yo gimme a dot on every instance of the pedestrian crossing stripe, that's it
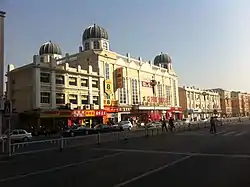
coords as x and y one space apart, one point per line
222 133
229 133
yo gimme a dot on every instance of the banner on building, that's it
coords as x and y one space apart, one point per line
119 77
108 87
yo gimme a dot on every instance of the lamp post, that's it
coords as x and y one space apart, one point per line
226 105
204 95
153 84
2 16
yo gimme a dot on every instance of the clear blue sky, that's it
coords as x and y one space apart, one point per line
209 40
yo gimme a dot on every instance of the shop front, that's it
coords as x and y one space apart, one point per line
112 113
146 114
125 113
175 112
88 118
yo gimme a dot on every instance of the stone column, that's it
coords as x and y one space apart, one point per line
53 89
90 79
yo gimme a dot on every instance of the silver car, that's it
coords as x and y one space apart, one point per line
18 135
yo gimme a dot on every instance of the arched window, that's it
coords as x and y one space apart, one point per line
135 98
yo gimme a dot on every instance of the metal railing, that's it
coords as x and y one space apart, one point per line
66 142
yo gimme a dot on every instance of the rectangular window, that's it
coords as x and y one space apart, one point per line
96 100
59 79
45 97
159 90
105 46
60 98
41 59
73 99
86 46
168 95
85 99
94 84
107 71
135 98
123 93
84 82
45 77
72 81
96 45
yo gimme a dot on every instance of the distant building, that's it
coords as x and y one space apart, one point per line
240 105
198 103
96 84
225 102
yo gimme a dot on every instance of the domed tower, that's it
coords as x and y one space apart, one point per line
49 50
163 60
95 37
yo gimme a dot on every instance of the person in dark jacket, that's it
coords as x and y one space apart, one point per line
171 124
212 127
164 125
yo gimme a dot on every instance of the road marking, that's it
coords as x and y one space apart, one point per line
222 132
153 171
177 153
241 133
59 167
229 133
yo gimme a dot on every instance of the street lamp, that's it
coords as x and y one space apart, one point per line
227 105
153 84
204 95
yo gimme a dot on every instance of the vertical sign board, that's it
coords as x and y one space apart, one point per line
119 77
108 87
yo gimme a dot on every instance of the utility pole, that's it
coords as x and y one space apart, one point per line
2 16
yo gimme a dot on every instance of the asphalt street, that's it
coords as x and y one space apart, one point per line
188 158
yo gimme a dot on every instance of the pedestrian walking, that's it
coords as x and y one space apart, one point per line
171 124
212 125
164 125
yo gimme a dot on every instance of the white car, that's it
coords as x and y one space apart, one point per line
125 125
18 135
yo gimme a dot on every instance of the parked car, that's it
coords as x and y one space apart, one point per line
156 124
78 130
103 128
124 124
18 135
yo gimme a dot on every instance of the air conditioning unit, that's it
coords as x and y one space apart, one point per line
87 107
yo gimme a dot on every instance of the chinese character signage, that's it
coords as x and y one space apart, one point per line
157 100
88 113
119 77
108 87
145 84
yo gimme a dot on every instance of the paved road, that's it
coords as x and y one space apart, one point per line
47 143
177 159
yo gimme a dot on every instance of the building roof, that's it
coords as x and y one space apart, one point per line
94 31
50 48
162 58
